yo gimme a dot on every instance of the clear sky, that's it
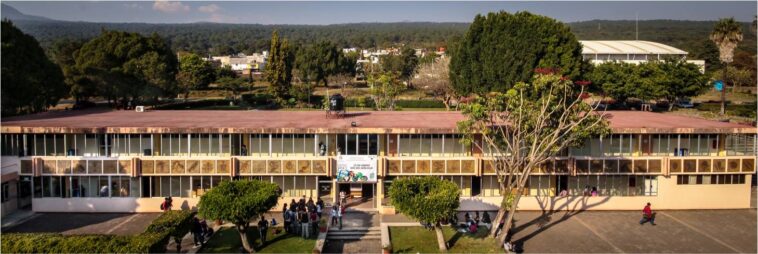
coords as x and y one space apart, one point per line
351 12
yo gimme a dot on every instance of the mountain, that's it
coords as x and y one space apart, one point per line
8 12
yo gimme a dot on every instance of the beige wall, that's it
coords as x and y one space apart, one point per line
670 196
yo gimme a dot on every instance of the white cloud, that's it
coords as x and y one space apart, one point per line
133 6
211 8
169 6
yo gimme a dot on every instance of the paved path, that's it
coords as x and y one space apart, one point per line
356 219
87 223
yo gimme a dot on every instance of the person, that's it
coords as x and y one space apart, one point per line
594 191
586 190
647 215
293 204
339 214
301 203
564 193
310 204
476 217
342 197
321 149
508 246
304 224
319 208
335 208
286 217
263 229
197 232
473 228
243 150
166 205
207 231
314 221
467 219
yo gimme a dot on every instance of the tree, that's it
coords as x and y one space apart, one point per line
502 49
726 34
402 65
319 61
225 71
30 81
63 53
127 65
233 85
737 77
194 73
427 199
434 80
524 128
239 202
676 79
279 68
384 88
613 79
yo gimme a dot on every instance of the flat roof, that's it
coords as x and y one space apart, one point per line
629 47
230 121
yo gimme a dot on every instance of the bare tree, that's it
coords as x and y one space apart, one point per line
524 128
433 79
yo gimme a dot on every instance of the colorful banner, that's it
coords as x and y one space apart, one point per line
356 168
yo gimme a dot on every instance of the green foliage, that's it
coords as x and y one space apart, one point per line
129 65
319 61
233 85
238 201
225 71
384 88
30 81
650 80
427 199
502 49
279 67
154 239
194 72
402 65
63 52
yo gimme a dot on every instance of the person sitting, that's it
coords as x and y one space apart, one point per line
473 228
594 191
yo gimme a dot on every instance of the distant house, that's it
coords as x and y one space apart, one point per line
635 52
243 64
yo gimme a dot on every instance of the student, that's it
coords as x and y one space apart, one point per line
314 221
319 208
339 214
508 246
564 193
594 192
286 217
243 150
197 232
342 197
262 229
647 215
476 217
335 211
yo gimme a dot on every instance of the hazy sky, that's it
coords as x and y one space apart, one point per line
351 12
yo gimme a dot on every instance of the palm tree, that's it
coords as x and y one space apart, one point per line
726 34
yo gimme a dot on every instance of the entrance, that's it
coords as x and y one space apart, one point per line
359 195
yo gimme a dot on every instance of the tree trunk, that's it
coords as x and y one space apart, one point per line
242 230
508 220
723 90
446 101
496 221
440 237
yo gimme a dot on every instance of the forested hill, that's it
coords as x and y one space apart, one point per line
228 38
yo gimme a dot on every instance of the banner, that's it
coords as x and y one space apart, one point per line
356 168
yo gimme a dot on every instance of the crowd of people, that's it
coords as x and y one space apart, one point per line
303 217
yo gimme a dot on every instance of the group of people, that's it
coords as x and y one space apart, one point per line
200 231
471 225
302 217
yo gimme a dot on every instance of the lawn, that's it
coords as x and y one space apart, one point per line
420 240
227 240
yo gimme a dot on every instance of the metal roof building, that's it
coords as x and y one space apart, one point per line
632 51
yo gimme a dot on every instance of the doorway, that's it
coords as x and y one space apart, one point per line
359 195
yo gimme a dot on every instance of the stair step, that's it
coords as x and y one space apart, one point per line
356 228
355 233
366 237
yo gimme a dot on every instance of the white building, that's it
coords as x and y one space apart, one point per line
633 52
244 63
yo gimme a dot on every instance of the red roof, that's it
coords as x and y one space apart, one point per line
181 121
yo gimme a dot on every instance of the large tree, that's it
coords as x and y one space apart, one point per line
63 52
239 202
677 79
129 65
525 128
30 81
434 80
726 34
318 61
502 49
194 73
402 65
279 67
427 199
384 88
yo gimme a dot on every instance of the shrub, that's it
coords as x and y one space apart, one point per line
154 239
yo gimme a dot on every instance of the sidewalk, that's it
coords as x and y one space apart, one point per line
17 217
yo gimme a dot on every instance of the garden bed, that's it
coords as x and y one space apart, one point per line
420 240
227 240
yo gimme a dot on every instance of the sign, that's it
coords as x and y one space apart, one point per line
718 85
356 168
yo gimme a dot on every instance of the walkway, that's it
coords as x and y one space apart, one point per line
359 222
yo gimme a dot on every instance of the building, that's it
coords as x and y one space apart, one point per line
243 64
633 52
124 161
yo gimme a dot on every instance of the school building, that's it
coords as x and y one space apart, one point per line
125 161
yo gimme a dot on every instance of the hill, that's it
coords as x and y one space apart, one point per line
8 12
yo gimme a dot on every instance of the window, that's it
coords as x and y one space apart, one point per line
710 179
6 192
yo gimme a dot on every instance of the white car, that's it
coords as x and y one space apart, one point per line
685 103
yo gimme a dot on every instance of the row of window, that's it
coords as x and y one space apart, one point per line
666 145
710 179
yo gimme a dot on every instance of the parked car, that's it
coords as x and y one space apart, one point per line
684 103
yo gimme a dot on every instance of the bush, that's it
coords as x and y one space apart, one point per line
369 103
154 239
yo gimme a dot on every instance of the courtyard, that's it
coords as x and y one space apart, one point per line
86 223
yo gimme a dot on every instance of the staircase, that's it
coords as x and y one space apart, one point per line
354 233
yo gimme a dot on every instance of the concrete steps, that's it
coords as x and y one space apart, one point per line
354 233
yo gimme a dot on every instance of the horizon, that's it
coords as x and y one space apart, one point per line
313 13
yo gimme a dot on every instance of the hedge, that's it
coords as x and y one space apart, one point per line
369 103
153 239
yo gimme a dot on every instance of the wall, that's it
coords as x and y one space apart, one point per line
670 196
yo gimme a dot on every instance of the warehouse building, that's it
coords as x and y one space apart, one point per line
634 51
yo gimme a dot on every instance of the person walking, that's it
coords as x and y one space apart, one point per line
263 229
342 197
647 215
340 213
335 211
197 232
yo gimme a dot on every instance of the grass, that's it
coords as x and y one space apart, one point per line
735 97
420 240
227 240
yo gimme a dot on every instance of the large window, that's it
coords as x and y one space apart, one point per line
710 179
358 144
740 144
431 145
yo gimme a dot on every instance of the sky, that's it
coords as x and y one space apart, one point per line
322 13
